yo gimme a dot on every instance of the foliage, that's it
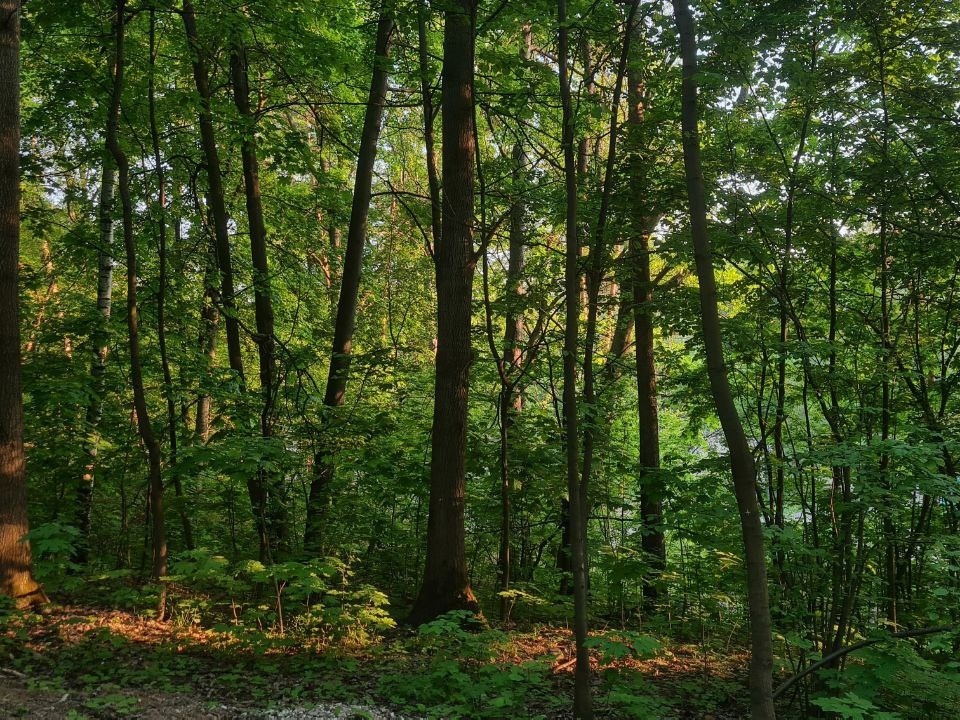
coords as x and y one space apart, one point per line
895 679
831 151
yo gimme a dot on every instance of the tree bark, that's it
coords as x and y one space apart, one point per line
346 320
582 700
163 282
267 488
100 339
144 426
651 482
741 459
445 583
218 209
16 575
511 401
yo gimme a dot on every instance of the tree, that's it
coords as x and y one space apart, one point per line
144 424
582 700
270 492
346 320
741 458
16 576
445 584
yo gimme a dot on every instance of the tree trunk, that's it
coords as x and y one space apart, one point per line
16 576
741 459
652 487
582 700
445 584
207 345
267 487
100 339
144 426
339 369
163 282
651 482
218 209
511 401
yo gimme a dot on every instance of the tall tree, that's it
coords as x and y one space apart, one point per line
741 458
445 584
144 424
101 347
16 576
641 224
576 522
216 194
269 486
339 369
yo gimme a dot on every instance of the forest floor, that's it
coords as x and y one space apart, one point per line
80 662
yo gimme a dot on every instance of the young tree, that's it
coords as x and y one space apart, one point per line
445 583
269 485
582 700
741 458
337 376
144 424
16 576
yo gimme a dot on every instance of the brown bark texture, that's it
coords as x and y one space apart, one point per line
144 425
582 700
741 459
16 576
346 319
445 584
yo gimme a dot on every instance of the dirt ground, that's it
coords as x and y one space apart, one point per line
18 700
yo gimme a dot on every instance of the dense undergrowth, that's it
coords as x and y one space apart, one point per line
296 633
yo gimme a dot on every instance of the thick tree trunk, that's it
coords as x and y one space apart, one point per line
445 584
346 320
144 426
16 576
582 700
741 459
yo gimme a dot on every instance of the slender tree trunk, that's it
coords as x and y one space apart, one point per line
207 345
267 486
884 261
582 700
346 320
144 426
163 282
652 487
16 576
426 92
100 339
218 209
741 459
511 401
446 585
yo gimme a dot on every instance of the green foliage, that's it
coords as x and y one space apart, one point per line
618 645
895 679
854 707
311 599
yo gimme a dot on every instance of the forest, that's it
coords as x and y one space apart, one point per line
480 358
